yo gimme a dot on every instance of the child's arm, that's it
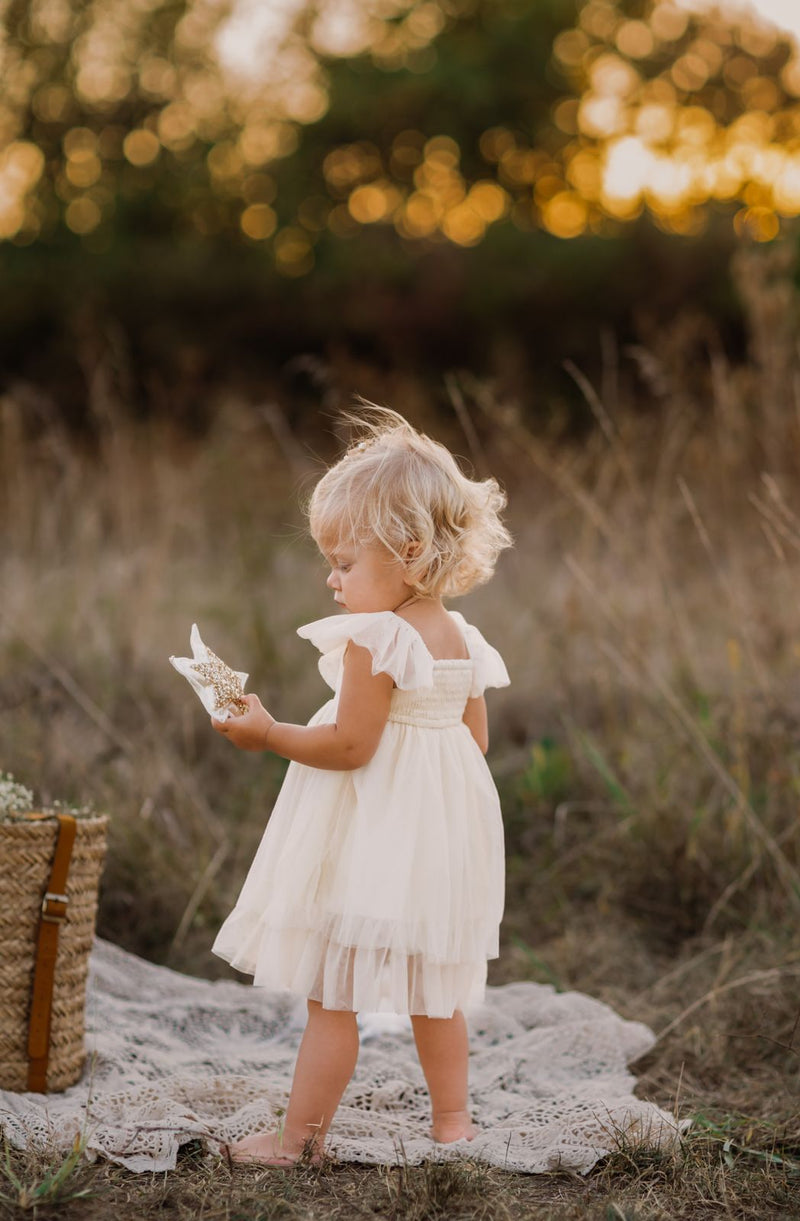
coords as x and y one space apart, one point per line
347 744
477 722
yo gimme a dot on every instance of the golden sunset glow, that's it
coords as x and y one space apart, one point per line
657 142
688 106
636 140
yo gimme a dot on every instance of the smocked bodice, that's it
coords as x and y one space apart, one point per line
439 706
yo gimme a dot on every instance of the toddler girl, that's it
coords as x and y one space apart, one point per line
379 881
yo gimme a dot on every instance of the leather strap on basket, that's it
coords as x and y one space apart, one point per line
54 913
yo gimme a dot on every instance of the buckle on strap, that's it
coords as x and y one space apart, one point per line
59 914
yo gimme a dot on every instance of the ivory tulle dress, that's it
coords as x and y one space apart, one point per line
382 888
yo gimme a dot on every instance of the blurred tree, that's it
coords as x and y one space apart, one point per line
397 177
439 118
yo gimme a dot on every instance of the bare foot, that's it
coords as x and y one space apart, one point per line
268 1149
452 1125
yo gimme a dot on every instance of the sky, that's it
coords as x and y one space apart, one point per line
257 27
783 13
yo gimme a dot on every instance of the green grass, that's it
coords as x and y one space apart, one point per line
31 1185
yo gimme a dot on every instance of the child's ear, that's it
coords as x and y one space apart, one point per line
411 552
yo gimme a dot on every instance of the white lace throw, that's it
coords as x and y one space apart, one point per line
174 1059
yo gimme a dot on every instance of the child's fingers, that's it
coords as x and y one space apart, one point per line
252 702
240 728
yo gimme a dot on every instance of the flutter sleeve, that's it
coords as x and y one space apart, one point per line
489 669
396 647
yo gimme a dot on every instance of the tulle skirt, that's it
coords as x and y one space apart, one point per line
380 888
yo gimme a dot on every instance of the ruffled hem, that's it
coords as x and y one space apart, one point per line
470 941
359 978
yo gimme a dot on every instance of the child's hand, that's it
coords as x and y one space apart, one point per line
248 731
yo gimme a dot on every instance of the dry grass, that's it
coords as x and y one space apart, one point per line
710 1177
647 752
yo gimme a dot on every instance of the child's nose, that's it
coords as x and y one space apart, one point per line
332 581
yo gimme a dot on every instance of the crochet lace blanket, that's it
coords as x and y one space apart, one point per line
174 1059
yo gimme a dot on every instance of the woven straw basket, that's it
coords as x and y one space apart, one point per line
27 849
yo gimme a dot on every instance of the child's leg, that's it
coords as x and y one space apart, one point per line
443 1053
325 1063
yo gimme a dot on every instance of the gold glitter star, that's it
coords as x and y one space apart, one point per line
228 690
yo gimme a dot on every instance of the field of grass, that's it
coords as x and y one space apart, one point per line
647 752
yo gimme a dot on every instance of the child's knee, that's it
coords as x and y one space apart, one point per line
317 1011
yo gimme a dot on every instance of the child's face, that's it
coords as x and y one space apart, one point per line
367 578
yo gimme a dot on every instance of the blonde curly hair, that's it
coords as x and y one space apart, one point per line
397 487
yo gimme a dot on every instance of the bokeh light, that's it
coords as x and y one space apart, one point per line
83 215
141 147
671 108
258 221
294 255
21 166
689 105
683 106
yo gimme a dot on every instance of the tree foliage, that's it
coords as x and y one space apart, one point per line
434 174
